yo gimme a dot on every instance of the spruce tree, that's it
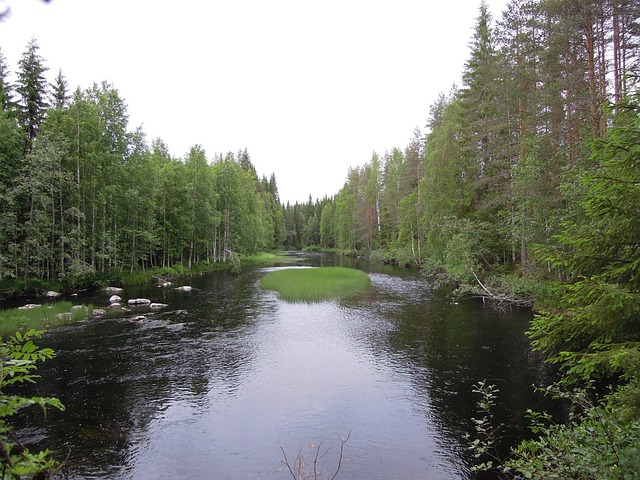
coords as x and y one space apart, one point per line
6 89
60 92
32 90
593 330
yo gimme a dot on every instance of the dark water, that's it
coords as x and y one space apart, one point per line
218 384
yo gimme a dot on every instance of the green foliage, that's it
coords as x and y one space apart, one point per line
593 330
32 90
83 196
42 316
484 444
262 258
397 256
315 284
19 357
598 441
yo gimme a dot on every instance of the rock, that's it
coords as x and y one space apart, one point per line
139 318
164 284
29 306
114 299
52 294
158 305
139 301
99 312
184 288
78 307
115 305
114 289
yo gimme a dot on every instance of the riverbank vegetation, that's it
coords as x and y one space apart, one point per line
524 184
312 284
40 317
19 358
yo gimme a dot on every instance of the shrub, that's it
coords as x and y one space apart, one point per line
600 440
19 357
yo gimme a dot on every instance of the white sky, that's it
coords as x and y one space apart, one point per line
310 88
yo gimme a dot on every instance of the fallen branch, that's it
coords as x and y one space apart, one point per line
483 287
501 301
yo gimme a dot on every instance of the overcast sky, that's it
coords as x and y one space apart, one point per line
310 88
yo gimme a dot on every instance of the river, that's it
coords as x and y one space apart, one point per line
228 380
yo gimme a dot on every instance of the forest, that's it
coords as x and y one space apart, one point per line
523 184
83 196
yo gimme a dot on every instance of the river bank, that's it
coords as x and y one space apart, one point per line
15 290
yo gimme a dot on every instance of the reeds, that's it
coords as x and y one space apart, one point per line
313 284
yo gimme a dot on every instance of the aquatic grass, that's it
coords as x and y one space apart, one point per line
263 257
41 317
313 284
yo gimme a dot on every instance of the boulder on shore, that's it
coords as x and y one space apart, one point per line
52 294
184 288
139 301
114 299
158 305
114 289
99 312
29 306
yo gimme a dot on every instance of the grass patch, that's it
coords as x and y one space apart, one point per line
263 257
41 317
312 284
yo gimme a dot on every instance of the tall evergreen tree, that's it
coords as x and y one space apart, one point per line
480 77
32 90
60 92
6 89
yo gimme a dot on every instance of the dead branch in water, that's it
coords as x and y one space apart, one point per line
501 301
297 470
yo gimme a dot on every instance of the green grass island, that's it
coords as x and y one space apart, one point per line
315 284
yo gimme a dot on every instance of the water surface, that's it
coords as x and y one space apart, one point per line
228 377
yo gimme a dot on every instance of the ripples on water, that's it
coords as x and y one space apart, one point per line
215 386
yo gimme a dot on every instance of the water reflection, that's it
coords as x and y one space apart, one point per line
215 386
